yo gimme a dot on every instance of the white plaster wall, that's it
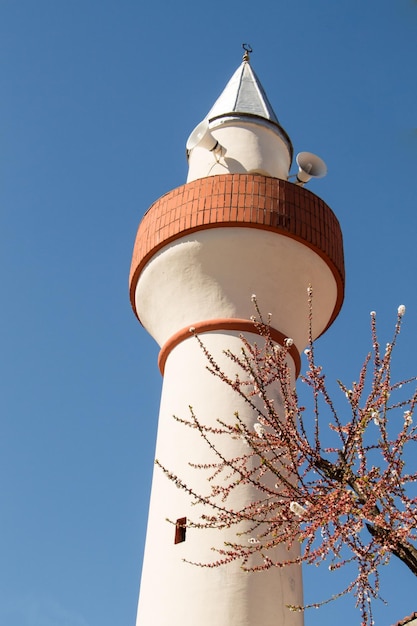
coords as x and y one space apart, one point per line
203 276
249 147
174 593
212 273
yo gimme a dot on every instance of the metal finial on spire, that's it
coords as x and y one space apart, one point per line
247 48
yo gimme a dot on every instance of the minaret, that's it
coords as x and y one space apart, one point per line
237 227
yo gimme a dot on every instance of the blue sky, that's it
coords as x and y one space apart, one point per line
97 101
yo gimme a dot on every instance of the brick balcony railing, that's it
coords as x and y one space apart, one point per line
241 200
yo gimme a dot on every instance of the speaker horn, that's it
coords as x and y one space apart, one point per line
309 166
202 137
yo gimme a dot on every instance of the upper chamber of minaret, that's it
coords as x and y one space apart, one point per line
249 135
236 228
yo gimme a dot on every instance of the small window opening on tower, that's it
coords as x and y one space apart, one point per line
180 529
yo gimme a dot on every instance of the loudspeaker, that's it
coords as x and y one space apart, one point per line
309 166
202 137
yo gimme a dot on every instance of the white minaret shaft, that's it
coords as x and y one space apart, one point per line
237 227
175 592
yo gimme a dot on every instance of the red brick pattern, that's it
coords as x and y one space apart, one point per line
244 200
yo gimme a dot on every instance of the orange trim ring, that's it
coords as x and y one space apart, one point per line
241 325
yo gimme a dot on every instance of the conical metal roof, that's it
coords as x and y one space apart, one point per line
243 94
